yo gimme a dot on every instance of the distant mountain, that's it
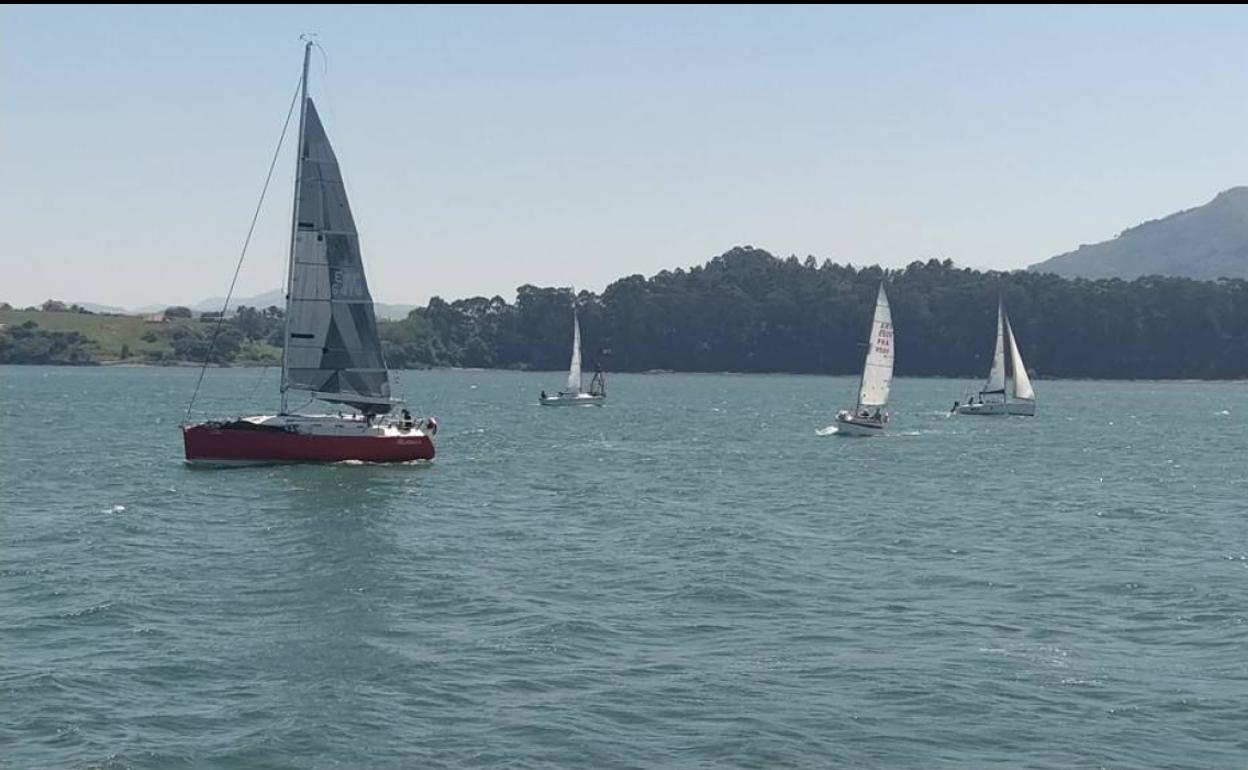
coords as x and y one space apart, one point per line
213 304
97 308
147 309
271 297
277 297
1206 242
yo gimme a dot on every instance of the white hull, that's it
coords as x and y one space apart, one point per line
1000 409
849 425
573 399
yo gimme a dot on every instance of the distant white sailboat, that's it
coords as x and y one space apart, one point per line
575 395
1024 396
868 417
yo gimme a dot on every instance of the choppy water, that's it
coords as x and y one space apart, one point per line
689 577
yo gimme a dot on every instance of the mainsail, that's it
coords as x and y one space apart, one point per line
332 346
574 370
996 377
877 372
1022 383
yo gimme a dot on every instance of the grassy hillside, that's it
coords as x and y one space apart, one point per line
131 338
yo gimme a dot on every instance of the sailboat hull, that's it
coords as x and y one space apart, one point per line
279 439
577 399
848 424
999 409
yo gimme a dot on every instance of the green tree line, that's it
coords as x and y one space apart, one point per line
748 311
28 344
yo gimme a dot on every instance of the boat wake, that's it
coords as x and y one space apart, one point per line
382 464
832 430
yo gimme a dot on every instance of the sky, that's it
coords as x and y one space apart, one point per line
487 147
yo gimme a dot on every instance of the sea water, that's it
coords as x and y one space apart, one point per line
690 576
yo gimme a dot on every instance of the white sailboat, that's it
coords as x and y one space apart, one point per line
868 417
1024 396
576 395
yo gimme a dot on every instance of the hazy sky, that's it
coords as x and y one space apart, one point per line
484 148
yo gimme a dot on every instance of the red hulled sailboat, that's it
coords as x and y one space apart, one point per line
332 352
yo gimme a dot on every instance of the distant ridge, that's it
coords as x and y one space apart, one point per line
95 308
1206 242
271 297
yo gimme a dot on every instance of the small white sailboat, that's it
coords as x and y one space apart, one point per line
1024 396
576 395
868 417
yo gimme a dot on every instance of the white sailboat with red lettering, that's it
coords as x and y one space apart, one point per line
332 351
868 417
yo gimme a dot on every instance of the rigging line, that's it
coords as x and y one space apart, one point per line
328 102
398 385
246 242
307 37
324 59
324 70
263 371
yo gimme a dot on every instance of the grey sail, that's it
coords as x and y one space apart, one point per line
332 347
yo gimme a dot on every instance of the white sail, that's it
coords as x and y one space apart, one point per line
574 370
877 372
996 377
1022 383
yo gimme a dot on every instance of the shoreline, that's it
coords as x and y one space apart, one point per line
648 373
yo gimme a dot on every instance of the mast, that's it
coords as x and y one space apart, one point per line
1005 385
862 378
294 212
575 381
992 386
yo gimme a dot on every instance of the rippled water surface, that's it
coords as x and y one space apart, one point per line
688 577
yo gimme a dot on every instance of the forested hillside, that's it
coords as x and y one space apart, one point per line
748 311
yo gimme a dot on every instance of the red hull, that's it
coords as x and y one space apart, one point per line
209 444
